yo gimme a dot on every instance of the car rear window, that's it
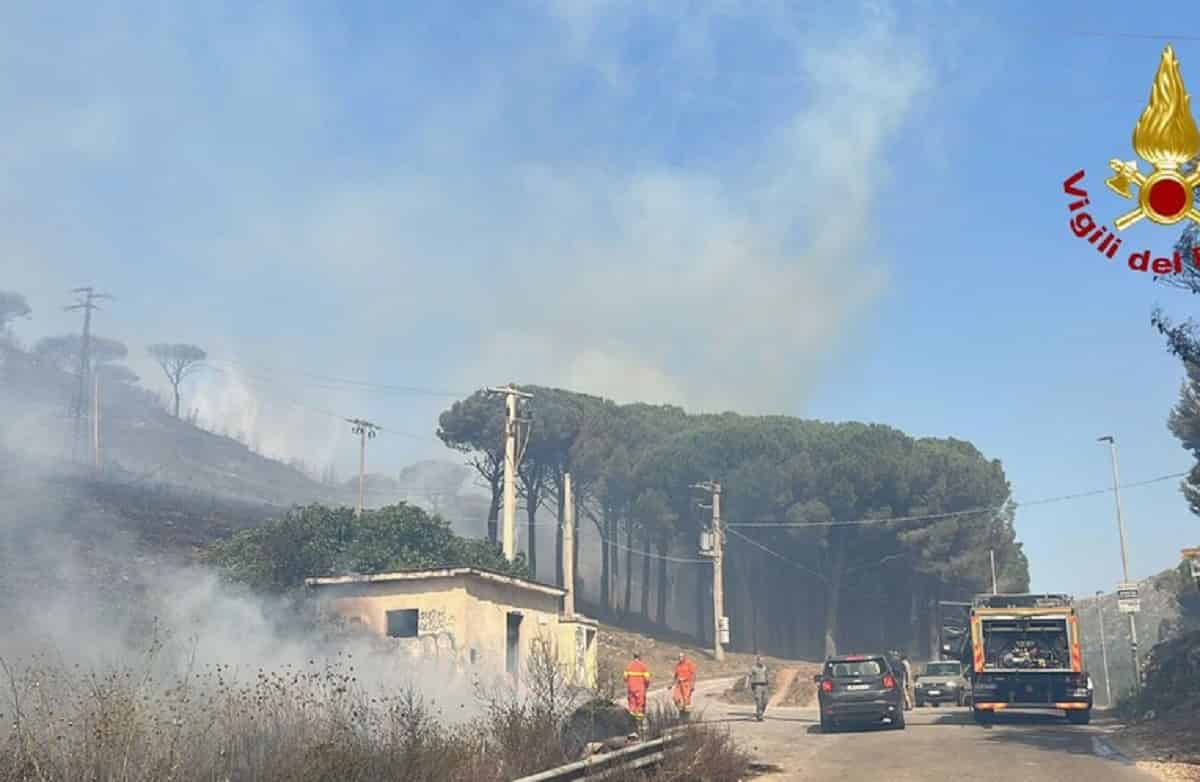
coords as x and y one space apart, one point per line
942 669
845 669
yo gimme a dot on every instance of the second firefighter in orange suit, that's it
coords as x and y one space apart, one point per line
685 683
637 681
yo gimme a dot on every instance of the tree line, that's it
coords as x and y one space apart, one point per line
815 580
177 360
1183 420
836 566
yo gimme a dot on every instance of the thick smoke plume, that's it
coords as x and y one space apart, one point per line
81 588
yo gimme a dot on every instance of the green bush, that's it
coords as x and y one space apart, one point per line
319 541
1170 679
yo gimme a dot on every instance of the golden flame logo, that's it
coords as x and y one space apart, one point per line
1166 137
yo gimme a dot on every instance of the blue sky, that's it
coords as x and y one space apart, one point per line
853 212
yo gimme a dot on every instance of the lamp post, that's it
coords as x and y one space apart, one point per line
1133 642
1103 650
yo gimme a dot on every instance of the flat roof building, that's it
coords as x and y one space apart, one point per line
475 619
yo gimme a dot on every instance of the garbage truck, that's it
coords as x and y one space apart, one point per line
1021 652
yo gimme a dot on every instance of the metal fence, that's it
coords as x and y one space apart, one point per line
643 755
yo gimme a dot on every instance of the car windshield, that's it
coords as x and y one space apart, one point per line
942 669
845 669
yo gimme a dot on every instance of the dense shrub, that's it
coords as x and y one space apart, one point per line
317 541
1170 679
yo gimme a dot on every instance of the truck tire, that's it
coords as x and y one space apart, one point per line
983 716
898 721
826 724
1079 716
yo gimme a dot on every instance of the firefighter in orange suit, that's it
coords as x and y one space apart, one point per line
637 681
685 683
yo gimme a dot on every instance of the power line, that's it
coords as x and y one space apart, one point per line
652 555
253 380
949 514
346 384
776 554
785 525
1140 36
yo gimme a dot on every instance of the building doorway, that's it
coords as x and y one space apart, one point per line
512 646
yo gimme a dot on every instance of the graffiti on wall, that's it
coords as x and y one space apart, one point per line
432 621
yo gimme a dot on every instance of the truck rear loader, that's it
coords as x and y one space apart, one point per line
1022 652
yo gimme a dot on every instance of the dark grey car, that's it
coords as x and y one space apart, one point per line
859 689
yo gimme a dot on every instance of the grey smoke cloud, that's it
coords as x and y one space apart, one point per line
80 590
453 245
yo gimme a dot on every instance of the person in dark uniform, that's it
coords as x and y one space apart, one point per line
758 686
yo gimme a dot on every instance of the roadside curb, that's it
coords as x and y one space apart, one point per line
1104 748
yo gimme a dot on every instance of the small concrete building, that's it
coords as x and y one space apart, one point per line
475 619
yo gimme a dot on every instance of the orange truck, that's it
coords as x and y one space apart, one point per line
1023 652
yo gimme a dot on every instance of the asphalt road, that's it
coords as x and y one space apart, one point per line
938 744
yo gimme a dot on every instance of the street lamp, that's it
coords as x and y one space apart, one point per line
1133 643
1103 649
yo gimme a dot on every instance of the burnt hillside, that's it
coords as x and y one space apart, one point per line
138 436
102 536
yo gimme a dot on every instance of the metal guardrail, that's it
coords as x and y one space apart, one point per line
643 755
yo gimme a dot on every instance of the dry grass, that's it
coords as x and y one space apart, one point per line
703 753
62 723
147 719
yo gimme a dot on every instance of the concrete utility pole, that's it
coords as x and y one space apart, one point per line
365 430
508 538
1103 650
87 298
1133 640
568 547
96 421
992 554
718 589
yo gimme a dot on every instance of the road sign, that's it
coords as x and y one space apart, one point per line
1127 599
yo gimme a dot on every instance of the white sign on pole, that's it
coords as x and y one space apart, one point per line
1127 599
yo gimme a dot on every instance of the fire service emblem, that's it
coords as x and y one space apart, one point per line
1167 138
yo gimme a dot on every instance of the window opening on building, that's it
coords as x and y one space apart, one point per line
403 623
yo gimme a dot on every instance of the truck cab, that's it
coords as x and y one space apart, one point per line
1023 652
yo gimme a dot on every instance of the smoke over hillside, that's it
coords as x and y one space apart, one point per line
99 566
84 584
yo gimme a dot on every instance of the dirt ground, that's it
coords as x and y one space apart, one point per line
790 684
616 649
1168 747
